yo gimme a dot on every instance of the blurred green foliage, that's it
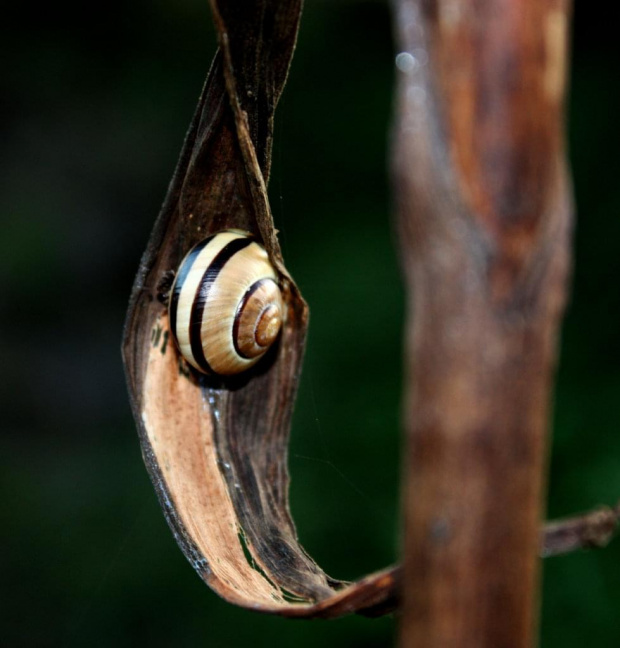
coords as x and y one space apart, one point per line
94 116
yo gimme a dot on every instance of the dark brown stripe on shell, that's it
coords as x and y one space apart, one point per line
248 293
180 280
202 294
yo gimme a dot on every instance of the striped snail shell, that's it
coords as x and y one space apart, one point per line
225 304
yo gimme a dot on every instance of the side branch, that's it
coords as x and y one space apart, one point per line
591 530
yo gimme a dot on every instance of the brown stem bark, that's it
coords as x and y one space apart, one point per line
484 206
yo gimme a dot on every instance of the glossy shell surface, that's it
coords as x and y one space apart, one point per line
225 305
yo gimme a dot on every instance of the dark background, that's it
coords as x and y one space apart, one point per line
96 102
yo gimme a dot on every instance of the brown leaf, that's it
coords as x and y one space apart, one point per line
217 450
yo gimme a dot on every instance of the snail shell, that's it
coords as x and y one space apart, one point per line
225 305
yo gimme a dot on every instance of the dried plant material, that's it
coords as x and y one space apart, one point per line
216 449
485 217
592 530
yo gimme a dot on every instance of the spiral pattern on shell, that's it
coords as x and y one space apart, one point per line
225 305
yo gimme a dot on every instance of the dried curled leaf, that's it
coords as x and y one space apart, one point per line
217 450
